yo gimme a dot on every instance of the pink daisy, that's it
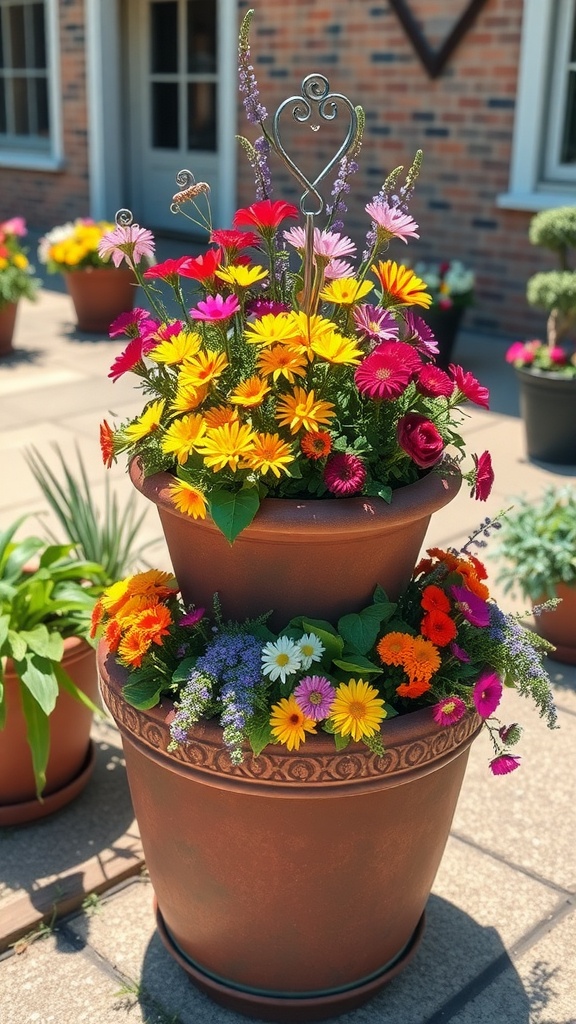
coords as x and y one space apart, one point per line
486 694
337 269
215 307
375 324
419 334
387 371
391 222
472 607
344 474
168 330
521 352
449 710
504 764
315 696
133 323
469 386
127 242
328 244
433 382
484 476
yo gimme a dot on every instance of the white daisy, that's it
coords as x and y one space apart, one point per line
281 659
311 649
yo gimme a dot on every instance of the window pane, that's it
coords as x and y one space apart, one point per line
21 120
201 36
165 115
2 108
17 37
40 88
1 41
39 37
164 37
202 115
568 155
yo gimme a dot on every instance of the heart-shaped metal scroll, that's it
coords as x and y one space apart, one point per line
315 89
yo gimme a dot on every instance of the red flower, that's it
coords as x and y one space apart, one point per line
469 386
438 627
484 477
133 353
265 215
233 241
344 474
432 382
107 444
200 268
434 599
387 371
166 271
420 439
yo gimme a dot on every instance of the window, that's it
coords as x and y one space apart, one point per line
543 167
28 128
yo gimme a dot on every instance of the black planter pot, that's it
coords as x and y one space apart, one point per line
444 324
548 408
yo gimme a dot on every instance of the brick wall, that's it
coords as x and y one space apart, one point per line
462 120
49 198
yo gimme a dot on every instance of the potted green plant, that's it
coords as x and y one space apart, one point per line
99 291
451 285
17 279
546 370
48 688
537 552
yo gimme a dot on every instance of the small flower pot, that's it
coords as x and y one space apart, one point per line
558 625
444 324
548 409
7 324
100 294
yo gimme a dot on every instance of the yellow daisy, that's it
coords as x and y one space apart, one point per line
357 709
220 414
181 437
203 368
241 276
270 329
269 453
307 329
345 291
303 411
146 424
188 499
116 595
401 285
226 445
334 348
250 392
281 361
188 397
176 349
153 581
289 723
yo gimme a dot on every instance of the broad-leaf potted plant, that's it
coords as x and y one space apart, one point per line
451 285
17 279
48 686
99 290
546 370
299 697
537 554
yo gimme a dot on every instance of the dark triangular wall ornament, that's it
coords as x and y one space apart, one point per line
434 61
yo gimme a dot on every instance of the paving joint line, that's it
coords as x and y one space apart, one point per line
547 882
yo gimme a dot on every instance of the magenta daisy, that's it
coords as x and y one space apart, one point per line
484 476
472 607
504 764
434 383
169 270
384 373
344 474
135 323
459 652
469 386
486 694
449 710
259 307
215 307
375 324
419 334
233 241
315 696
391 222
192 617
131 243
130 357
169 330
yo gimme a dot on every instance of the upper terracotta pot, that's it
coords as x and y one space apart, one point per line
100 294
321 558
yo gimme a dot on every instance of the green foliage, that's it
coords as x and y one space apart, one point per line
537 544
39 607
17 279
553 290
554 229
109 539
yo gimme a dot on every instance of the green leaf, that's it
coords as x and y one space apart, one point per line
181 673
4 626
38 736
360 629
341 742
16 646
259 734
68 684
39 678
333 644
40 641
357 663
232 513
144 693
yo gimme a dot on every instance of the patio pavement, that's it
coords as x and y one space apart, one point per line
77 934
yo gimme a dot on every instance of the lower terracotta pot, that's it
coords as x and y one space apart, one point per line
7 325
71 755
100 294
558 626
291 887
320 558
548 409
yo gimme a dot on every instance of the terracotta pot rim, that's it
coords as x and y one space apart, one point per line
301 515
533 373
414 746
98 270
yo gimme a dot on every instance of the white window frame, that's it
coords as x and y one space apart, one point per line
52 158
554 169
534 185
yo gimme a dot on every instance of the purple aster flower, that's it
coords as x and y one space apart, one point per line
375 324
449 710
192 617
487 693
315 695
504 764
259 307
472 607
458 652
418 333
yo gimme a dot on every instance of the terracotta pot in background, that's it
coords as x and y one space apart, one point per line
548 409
7 325
321 558
293 886
100 294
444 324
558 626
71 758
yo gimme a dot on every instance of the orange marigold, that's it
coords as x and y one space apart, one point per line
133 646
415 688
446 557
438 627
154 623
393 648
316 444
422 659
107 444
113 635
